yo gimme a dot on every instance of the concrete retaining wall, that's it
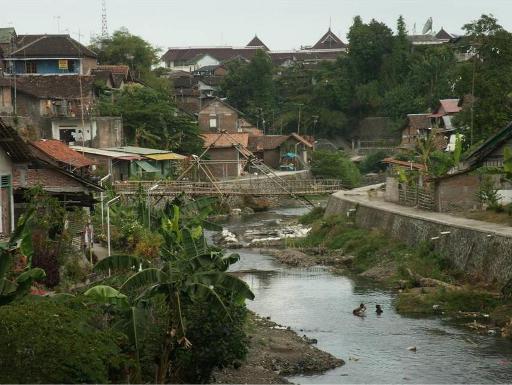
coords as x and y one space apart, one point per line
479 253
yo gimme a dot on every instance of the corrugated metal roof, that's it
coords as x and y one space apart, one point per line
170 156
146 166
138 150
107 153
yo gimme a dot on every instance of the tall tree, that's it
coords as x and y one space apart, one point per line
486 77
151 119
250 86
124 48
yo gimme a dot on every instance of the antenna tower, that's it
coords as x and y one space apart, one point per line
104 24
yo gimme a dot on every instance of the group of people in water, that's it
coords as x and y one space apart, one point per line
360 311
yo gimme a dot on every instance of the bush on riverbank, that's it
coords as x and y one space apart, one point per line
314 215
439 299
371 248
43 341
328 164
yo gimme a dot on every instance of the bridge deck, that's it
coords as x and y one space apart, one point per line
256 187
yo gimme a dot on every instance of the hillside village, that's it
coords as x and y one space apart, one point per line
130 174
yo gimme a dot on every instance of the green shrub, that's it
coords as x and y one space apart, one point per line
42 341
336 165
312 216
218 339
373 162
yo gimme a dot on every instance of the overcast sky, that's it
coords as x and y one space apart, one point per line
281 24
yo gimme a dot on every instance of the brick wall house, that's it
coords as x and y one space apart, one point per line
217 116
456 192
223 158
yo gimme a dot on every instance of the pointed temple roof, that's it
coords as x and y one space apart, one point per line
256 42
442 34
329 41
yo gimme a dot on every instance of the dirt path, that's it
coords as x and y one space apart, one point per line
276 352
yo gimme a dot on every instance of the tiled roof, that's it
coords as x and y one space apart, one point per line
219 53
54 46
115 69
419 121
13 145
329 41
219 140
60 152
256 42
54 86
103 75
451 106
266 142
443 35
301 139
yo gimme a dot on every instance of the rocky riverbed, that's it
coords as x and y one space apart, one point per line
275 352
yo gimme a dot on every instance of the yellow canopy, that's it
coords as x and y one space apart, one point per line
168 156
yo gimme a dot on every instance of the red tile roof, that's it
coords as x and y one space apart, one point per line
226 140
115 69
271 142
62 153
447 106
450 105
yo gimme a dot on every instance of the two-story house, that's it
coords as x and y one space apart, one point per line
48 55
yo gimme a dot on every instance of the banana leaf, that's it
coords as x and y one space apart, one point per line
120 262
144 278
107 295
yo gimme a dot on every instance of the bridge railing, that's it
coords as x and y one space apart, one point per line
232 187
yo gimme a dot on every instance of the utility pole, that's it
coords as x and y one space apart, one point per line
298 123
104 24
315 121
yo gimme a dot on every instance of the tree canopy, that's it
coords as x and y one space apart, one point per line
124 48
151 119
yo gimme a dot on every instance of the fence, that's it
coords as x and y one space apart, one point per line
416 196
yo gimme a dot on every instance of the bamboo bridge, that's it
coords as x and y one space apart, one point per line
253 187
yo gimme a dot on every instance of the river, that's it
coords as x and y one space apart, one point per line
319 304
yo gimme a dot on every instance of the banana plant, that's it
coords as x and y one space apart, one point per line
20 242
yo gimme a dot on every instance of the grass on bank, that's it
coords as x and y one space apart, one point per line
372 248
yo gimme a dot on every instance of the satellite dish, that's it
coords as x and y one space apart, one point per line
428 26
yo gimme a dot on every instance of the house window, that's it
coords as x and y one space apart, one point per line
30 67
5 203
213 122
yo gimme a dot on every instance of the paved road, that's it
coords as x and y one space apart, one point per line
362 197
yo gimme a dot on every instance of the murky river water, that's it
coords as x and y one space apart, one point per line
319 304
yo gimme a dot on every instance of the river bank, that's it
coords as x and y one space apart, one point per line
317 302
276 351
426 283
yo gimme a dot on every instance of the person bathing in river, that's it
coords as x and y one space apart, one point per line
359 311
378 309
